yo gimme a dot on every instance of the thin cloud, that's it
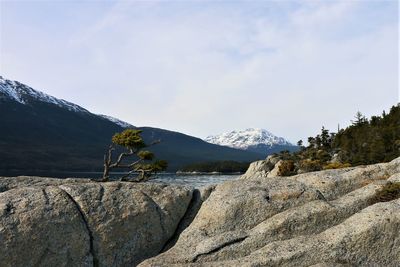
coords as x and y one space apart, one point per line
204 68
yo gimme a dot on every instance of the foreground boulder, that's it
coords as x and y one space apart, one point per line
75 222
326 218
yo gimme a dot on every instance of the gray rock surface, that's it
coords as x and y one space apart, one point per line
395 178
52 222
326 218
7 183
261 168
42 227
275 171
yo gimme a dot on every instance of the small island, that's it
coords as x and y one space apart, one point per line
215 167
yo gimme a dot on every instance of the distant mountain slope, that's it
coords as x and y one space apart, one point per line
252 139
41 132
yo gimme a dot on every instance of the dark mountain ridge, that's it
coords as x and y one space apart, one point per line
41 132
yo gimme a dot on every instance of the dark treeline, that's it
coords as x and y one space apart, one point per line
217 166
366 141
371 140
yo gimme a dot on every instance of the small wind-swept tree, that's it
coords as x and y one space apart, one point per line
141 163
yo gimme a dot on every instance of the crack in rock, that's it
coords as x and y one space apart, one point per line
223 245
158 210
86 223
101 193
46 197
187 218
196 202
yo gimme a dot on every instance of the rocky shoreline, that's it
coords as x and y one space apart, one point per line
325 218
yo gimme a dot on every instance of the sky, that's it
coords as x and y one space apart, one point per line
207 67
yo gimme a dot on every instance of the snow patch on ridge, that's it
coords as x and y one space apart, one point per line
116 121
23 94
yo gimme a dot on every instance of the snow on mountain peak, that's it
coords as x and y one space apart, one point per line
244 139
117 121
23 94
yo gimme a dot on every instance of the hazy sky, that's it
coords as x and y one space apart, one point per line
205 67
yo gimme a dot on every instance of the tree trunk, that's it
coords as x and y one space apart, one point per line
106 173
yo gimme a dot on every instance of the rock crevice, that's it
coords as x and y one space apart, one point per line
221 246
87 226
198 197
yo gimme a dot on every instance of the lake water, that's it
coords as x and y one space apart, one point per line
196 181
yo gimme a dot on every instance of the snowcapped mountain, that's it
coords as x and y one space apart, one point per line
25 95
254 139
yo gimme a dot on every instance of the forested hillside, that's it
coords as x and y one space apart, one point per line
371 140
365 141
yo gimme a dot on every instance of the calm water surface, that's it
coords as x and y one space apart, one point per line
196 181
